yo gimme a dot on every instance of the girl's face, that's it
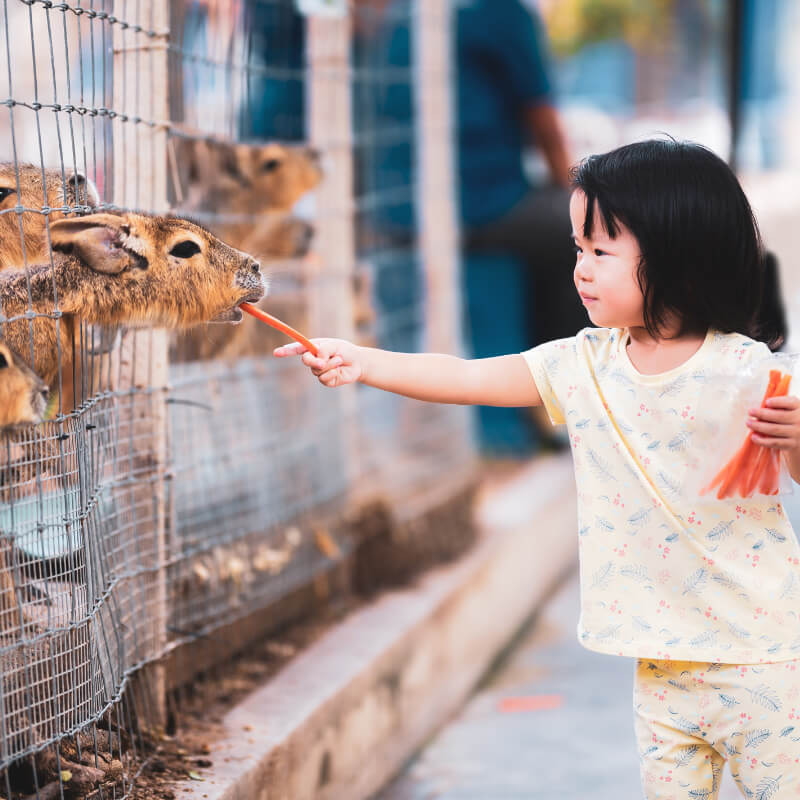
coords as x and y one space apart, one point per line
606 270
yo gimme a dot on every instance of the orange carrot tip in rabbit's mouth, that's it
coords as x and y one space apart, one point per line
278 325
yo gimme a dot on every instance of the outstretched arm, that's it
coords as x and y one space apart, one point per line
436 378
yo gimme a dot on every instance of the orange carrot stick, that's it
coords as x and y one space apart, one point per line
724 472
734 473
753 474
756 474
745 469
770 473
783 386
770 480
733 466
766 471
281 326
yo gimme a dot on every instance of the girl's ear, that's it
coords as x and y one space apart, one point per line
97 240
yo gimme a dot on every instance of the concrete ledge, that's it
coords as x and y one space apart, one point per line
344 716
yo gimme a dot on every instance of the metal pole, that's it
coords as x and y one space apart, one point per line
140 182
735 67
436 201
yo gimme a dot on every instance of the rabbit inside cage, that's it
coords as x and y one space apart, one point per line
164 162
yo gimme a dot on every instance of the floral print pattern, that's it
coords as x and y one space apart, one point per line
668 573
691 717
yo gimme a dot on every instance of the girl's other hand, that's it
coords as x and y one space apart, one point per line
337 364
778 424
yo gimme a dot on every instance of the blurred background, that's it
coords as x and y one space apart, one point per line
401 170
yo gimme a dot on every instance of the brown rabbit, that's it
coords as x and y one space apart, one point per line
277 238
235 178
23 394
250 187
108 269
127 269
23 400
58 190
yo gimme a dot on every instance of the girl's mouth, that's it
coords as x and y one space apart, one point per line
586 299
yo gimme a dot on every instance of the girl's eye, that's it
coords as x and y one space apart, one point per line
599 252
576 249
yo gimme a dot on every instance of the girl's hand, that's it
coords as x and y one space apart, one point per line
777 425
338 363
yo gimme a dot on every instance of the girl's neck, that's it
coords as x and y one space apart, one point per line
651 356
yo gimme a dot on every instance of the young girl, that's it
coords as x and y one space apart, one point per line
703 592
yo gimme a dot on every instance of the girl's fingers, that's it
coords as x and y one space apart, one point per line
315 362
331 377
774 444
787 402
321 364
774 429
325 366
294 349
785 416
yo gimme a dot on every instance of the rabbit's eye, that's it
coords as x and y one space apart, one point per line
5 191
270 165
185 249
3 361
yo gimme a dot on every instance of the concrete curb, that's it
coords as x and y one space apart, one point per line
345 715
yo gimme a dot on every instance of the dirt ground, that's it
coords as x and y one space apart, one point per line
101 761
198 710
388 555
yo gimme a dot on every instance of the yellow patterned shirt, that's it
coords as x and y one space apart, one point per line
667 572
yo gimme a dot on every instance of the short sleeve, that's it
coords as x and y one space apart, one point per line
516 37
530 71
547 363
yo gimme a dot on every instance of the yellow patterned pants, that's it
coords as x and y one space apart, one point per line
693 716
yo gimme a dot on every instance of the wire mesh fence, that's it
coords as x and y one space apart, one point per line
182 480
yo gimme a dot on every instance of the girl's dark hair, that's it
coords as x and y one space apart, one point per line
702 258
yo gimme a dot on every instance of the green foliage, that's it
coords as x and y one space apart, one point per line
572 24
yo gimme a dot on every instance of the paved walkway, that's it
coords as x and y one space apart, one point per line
584 748
577 742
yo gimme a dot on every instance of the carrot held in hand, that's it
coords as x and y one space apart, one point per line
281 326
729 474
753 466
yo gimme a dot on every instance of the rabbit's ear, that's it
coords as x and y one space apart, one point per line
230 161
80 190
97 240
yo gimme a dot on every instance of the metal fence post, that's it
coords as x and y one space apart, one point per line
436 198
330 130
330 290
139 181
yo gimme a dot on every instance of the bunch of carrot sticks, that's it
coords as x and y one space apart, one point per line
753 468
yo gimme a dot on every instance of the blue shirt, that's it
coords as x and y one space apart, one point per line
384 119
502 71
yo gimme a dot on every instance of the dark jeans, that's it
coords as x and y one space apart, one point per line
537 232
495 312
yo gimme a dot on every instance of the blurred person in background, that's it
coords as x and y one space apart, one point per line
275 98
517 252
385 163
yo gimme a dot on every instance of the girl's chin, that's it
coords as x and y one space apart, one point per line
597 317
606 320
